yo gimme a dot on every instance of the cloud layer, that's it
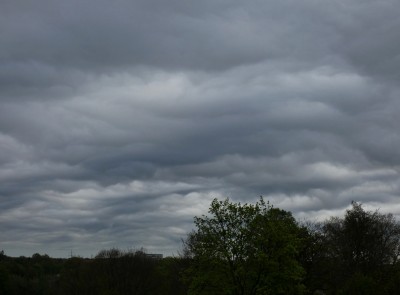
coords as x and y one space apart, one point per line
120 121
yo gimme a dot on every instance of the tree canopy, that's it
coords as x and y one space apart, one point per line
245 249
361 246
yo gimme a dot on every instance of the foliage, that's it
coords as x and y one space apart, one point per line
245 249
111 272
169 273
236 249
360 249
36 275
363 241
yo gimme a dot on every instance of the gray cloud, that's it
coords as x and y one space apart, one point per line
121 121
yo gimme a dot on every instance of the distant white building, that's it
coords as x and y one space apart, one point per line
155 256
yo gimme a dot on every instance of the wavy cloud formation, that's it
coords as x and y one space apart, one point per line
120 121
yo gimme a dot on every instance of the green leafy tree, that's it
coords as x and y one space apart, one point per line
245 249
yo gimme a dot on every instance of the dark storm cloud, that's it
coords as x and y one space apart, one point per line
120 121
45 46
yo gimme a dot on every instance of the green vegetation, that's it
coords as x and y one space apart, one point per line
237 249
245 249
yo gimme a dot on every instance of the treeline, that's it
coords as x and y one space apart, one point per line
110 272
237 249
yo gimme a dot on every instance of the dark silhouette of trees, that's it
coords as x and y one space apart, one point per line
363 247
111 272
22 275
313 257
170 276
4 274
354 254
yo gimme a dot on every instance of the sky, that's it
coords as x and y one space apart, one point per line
122 120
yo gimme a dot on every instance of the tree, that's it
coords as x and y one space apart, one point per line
169 272
361 247
245 249
126 272
313 256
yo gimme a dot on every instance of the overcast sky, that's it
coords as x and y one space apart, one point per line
121 120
